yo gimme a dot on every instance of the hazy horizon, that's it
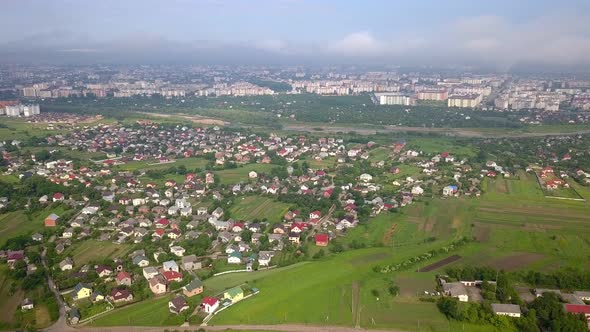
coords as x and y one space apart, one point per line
499 35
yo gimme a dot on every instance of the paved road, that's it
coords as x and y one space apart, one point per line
283 328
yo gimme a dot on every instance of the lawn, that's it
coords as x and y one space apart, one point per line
96 250
258 207
217 284
440 144
152 312
319 292
240 174
189 163
322 164
9 178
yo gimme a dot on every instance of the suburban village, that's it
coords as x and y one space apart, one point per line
169 202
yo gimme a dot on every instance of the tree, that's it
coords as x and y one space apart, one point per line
449 307
393 290
246 235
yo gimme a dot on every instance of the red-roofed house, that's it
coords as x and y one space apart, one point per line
315 214
579 309
210 304
172 276
162 223
321 240
58 197
328 193
124 278
159 232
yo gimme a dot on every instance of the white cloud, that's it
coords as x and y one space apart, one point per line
357 44
273 45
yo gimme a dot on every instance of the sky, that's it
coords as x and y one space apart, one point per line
499 33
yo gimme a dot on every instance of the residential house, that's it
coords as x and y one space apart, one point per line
217 213
234 258
150 272
158 284
170 266
172 276
96 296
81 291
120 295
193 288
264 257
141 261
74 315
26 304
66 264
124 278
321 240
177 305
190 263
177 250
68 233
450 190
210 304
51 220
104 271
234 294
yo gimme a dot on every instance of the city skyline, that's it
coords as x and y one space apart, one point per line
501 35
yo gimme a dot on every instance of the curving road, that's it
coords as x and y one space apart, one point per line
61 324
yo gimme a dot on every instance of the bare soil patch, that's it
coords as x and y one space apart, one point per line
481 233
501 186
356 289
389 234
515 261
440 263
429 225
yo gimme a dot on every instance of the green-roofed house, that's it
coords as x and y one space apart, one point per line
193 288
234 294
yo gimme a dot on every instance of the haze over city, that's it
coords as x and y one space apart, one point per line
497 34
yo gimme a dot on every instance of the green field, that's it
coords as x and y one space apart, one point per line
258 207
323 293
152 312
189 163
439 144
240 174
17 223
218 284
96 250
